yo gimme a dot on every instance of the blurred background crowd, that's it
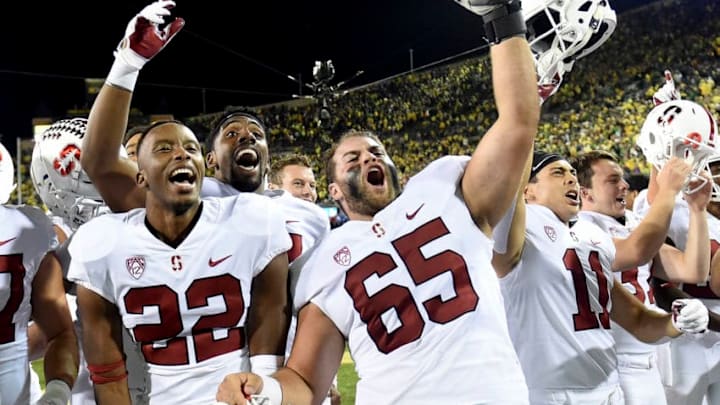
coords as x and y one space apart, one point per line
444 109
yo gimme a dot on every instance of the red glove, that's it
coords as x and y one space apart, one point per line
143 40
667 92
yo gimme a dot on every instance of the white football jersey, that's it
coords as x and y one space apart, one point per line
185 306
26 234
635 280
416 297
558 305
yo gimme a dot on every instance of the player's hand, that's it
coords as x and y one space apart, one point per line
689 315
700 190
143 37
667 92
674 175
57 392
238 388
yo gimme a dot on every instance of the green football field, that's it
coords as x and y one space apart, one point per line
346 378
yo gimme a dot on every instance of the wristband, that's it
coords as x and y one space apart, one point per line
122 75
265 364
504 22
57 392
271 389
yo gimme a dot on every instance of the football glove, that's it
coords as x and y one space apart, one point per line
57 392
689 315
502 18
667 92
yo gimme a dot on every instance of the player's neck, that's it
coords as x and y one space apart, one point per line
170 227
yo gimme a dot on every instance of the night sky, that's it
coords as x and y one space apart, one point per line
240 52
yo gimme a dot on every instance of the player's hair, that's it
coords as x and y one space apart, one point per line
583 165
226 116
328 158
149 128
275 175
637 182
138 129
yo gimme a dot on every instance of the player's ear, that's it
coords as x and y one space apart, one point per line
140 179
334 192
211 160
529 192
585 194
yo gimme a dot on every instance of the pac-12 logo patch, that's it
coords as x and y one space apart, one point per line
551 233
135 266
342 256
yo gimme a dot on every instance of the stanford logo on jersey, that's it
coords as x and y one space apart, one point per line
342 256
65 163
551 233
135 266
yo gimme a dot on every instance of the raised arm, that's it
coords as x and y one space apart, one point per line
645 241
509 234
113 175
693 264
52 316
494 173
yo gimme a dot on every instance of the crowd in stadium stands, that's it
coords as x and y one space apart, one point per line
601 105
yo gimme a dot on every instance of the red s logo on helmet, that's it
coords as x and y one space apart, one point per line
65 163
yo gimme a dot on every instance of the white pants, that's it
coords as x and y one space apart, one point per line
610 395
640 379
696 370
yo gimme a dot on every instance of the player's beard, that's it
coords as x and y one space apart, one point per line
361 200
246 183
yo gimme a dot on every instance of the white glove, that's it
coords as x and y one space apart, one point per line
667 92
57 392
142 41
689 315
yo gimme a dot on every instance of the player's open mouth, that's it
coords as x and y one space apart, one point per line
247 159
572 197
184 178
621 201
375 176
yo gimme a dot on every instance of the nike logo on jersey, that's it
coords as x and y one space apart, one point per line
5 242
594 243
291 222
213 263
411 216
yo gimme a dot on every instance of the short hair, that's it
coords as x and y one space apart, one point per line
138 129
583 165
222 119
149 128
275 175
328 158
638 181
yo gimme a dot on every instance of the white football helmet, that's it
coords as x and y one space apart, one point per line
7 175
59 179
713 168
683 129
562 31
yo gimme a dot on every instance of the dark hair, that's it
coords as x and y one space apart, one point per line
138 129
583 165
149 128
328 158
637 182
275 175
222 119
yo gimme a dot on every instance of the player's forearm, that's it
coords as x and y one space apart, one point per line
105 130
650 234
115 393
267 332
61 358
295 389
696 258
653 326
